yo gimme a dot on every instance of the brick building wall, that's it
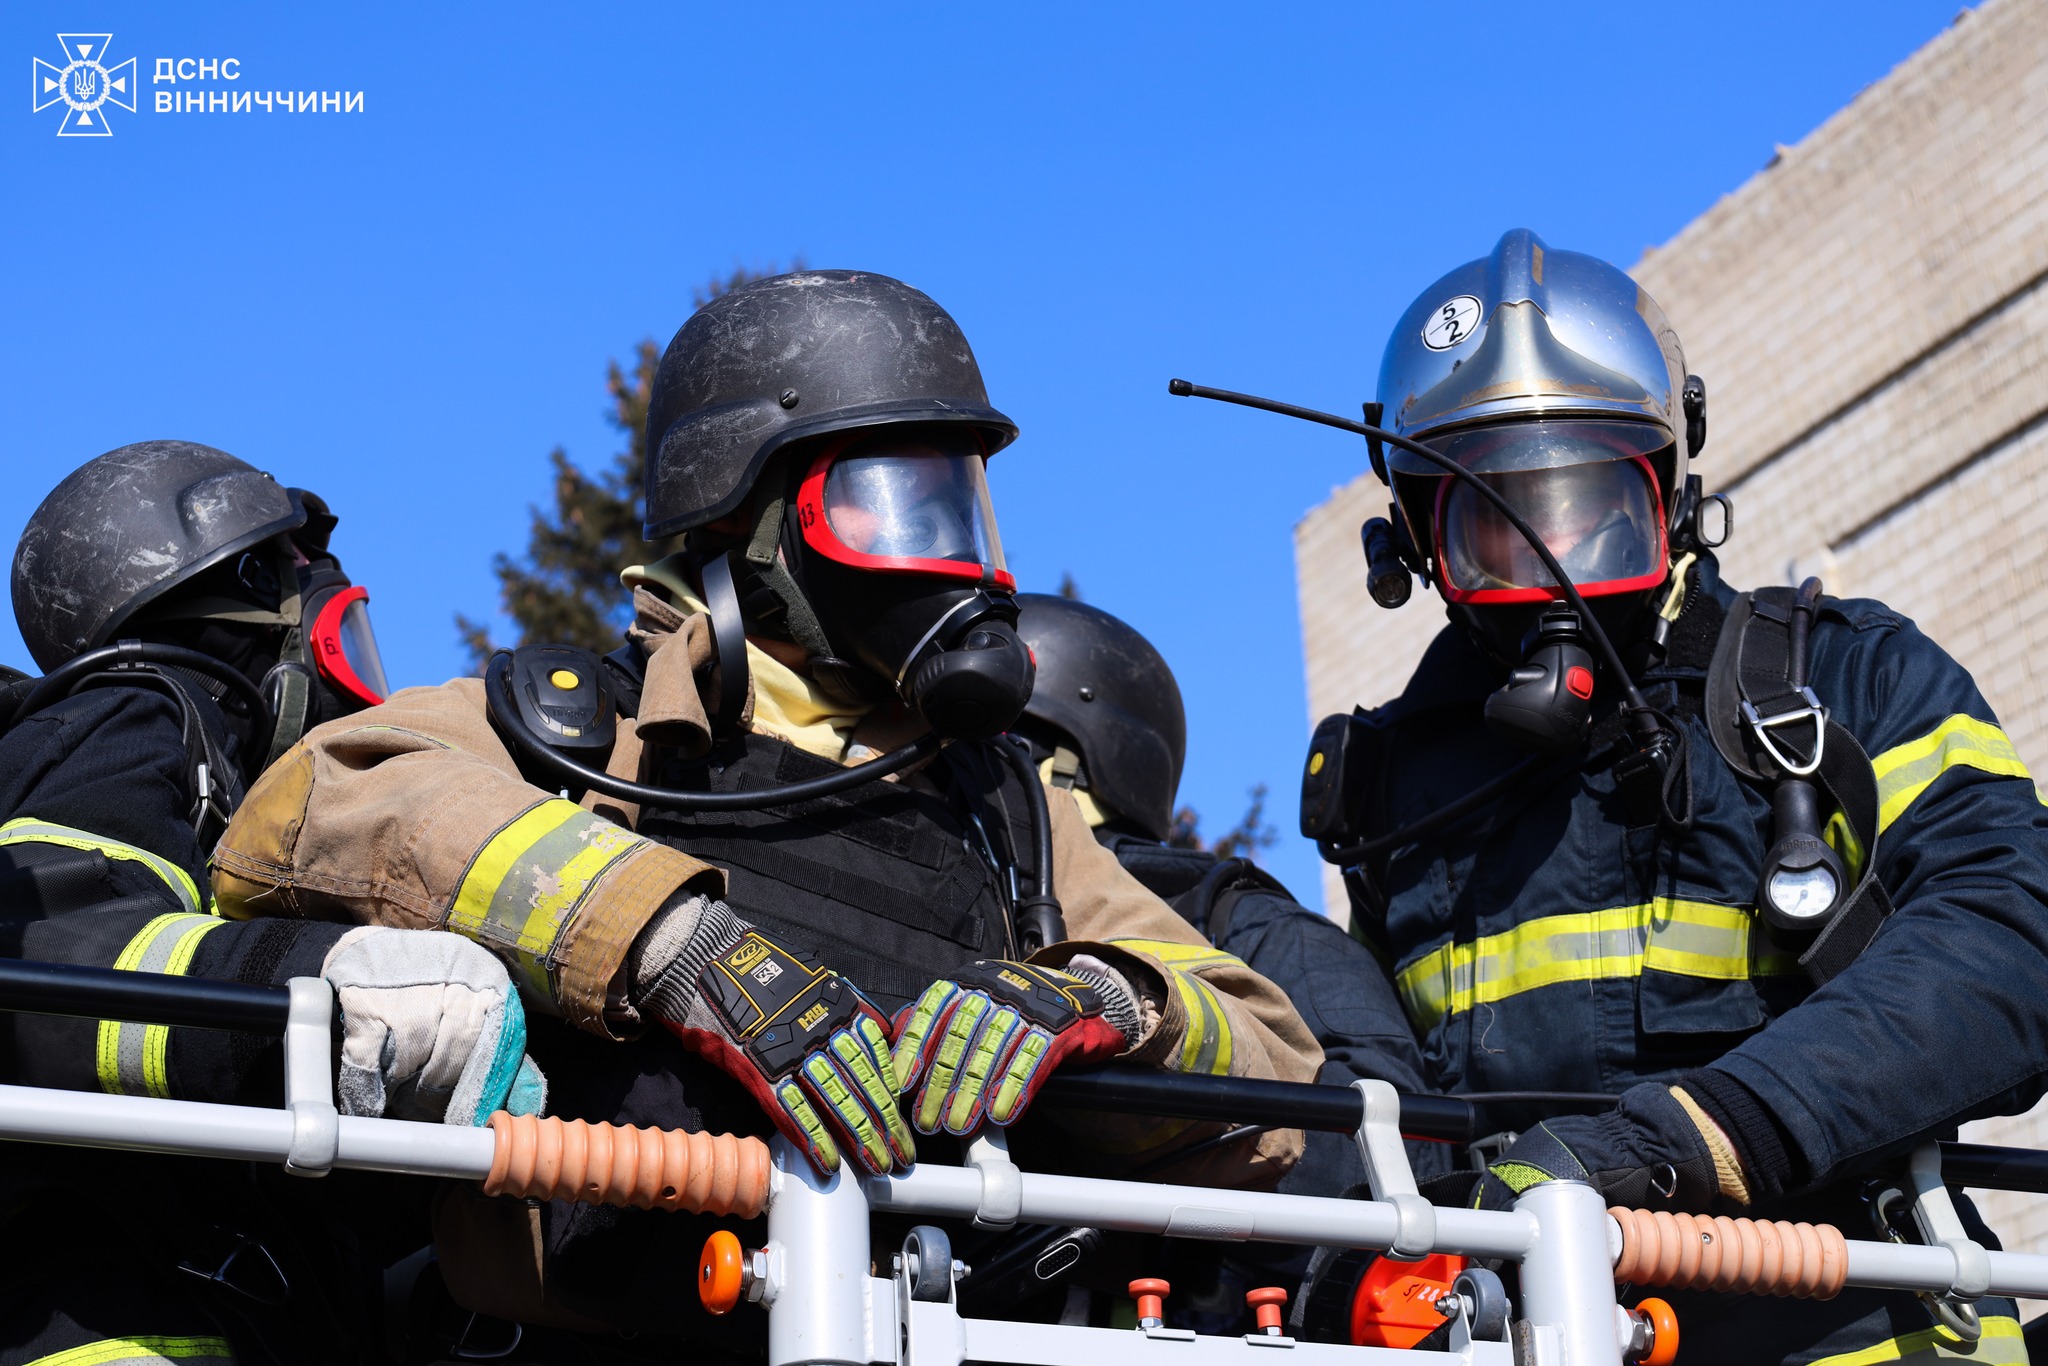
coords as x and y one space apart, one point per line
1870 314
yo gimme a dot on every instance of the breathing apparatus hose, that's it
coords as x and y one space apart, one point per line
1448 814
505 711
63 680
1040 921
1644 719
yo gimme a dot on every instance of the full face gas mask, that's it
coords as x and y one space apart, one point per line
895 543
1593 492
1534 421
284 614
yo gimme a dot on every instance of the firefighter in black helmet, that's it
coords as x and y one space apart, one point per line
1106 722
735 871
192 616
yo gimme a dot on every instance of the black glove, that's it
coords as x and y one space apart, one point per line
1648 1151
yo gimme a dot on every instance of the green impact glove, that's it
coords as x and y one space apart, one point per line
801 1038
982 1042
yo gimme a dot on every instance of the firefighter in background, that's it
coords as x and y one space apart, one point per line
1793 905
118 772
1106 723
841 600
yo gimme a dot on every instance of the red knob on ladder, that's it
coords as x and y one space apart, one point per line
1150 1294
1266 1303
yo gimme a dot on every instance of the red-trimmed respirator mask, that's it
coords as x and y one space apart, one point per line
1593 491
339 643
1589 489
905 505
327 663
902 562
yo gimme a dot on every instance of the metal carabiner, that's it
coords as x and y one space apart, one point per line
1762 726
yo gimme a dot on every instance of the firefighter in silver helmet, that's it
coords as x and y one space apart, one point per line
1764 863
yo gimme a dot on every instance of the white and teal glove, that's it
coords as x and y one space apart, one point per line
431 1029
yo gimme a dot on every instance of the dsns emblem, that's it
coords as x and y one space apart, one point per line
84 85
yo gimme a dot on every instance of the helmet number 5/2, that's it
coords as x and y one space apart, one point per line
1451 322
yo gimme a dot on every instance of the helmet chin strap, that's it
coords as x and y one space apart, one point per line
765 556
289 685
729 632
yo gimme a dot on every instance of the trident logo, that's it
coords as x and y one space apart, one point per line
84 84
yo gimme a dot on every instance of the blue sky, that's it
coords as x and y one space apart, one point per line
405 308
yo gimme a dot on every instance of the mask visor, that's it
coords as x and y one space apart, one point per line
1603 521
344 648
915 504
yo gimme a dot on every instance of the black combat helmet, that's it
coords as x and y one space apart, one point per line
126 528
1104 687
795 356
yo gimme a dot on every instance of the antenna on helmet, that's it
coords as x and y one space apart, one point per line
1650 729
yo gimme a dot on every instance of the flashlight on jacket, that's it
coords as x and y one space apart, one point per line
1803 878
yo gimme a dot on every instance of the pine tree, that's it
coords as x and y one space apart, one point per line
565 588
1249 835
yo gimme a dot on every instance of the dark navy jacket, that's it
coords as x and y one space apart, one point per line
1547 944
99 866
1339 989
96 785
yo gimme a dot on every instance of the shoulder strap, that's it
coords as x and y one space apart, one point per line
1766 729
626 669
216 780
1847 778
1762 725
292 712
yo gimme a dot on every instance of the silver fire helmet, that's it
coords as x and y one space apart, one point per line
1527 366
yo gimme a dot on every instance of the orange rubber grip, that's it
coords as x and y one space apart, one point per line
1742 1256
618 1164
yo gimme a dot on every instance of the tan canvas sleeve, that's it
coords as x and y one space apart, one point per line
1208 1011
412 814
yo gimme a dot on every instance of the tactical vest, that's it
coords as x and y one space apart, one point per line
892 885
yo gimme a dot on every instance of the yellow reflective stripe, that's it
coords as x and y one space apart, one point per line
1842 838
109 1351
2003 1344
1699 939
526 883
1905 771
1689 938
133 1059
1206 1047
1173 953
29 830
